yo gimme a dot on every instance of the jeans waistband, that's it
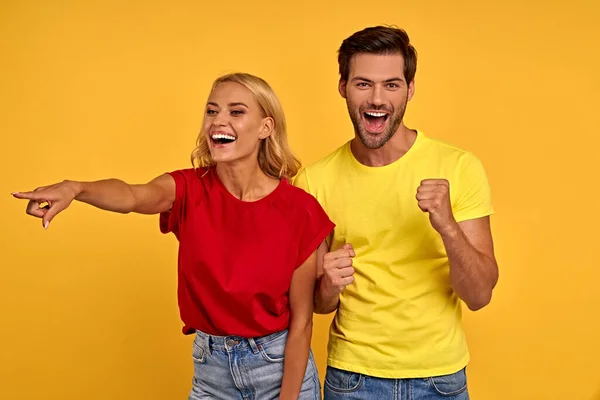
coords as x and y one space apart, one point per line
212 342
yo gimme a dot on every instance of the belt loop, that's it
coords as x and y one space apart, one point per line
207 343
253 346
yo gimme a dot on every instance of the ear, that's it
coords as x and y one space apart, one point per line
411 89
342 88
267 128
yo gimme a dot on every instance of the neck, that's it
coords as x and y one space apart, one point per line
245 181
395 148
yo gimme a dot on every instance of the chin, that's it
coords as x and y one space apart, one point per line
222 158
374 140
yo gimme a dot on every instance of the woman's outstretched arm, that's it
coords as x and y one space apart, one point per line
114 195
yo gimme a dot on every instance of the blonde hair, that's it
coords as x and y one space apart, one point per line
274 155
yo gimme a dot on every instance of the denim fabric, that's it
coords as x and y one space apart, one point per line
344 385
232 367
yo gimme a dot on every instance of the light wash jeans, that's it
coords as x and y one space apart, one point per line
233 367
344 385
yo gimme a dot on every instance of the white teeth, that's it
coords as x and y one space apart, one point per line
376 114
222 136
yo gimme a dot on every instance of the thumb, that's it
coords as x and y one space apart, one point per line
49 215
350 249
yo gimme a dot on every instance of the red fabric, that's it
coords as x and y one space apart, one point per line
236 259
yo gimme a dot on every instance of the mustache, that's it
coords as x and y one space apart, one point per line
373 107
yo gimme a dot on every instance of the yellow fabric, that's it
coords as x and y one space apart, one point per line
400 318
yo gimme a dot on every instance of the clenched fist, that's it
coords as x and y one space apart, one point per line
337 270
433 196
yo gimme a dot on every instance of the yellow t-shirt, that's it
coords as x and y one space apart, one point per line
400 318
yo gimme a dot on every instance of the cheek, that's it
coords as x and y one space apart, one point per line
400 97
247 133
353 101
358 98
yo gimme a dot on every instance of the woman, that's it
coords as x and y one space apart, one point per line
247 245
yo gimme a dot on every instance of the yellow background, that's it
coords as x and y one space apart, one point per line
94 89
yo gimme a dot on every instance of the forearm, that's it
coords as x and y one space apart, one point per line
325 302
297 349
473 274
110 194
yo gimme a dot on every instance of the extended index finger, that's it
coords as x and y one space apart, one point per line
28 196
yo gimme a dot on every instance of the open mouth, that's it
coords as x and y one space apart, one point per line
375 120
221 138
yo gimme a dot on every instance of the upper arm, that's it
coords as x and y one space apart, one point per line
156 196
302 291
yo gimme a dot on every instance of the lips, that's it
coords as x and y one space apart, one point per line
375 121
222 138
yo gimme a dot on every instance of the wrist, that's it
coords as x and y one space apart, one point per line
285 395
451 231
328 292
76 188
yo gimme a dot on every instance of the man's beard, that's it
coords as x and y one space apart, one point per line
370 140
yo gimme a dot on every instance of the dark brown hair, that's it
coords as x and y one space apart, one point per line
378 40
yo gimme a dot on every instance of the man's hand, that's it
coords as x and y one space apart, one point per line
433 196
337 271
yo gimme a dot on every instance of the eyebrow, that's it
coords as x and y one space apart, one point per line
360 78
239 103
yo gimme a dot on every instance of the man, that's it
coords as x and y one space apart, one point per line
412 241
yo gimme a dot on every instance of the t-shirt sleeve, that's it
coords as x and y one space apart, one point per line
315 226
473 195
170 221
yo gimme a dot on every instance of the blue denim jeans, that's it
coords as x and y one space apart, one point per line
344 385
233 367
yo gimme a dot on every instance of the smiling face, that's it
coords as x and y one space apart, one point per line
234 123
376 94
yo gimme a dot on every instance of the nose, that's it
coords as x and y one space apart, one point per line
220 119
376 97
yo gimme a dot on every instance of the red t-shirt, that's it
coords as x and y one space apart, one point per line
236 258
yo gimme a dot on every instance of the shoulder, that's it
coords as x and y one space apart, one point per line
193 182
297 196
330 161
449 154
300 205
192 174
322 170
